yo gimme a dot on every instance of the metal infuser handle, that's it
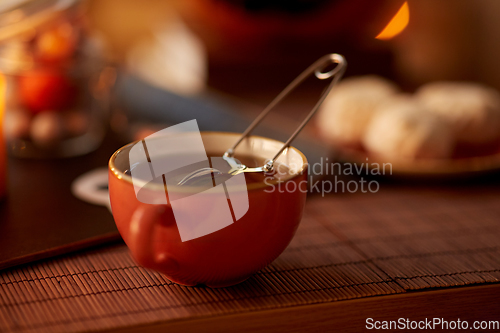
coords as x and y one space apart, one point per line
315 68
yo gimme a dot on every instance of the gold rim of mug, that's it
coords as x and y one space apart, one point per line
121 175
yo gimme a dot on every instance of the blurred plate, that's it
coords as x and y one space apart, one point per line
466 161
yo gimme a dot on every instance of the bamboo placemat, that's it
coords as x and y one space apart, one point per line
348 246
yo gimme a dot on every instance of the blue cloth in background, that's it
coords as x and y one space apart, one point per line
146 103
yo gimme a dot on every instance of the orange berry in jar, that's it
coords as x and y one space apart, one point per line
16 124
56 44
47 129
46 89
76 122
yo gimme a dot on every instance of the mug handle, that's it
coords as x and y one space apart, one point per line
142 225
140 240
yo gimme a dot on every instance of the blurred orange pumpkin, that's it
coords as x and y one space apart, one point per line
237 30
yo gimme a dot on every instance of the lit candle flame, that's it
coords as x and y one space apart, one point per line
397 24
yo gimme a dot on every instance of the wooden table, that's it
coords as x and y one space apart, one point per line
467 304
411 251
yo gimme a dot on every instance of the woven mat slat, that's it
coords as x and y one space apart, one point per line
347 246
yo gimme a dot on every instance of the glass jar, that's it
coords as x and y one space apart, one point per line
54 100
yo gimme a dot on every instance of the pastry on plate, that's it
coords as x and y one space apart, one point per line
348 109
403 129
472 110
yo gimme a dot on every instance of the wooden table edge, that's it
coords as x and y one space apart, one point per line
478 302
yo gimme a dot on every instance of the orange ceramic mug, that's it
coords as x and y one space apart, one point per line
231 254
